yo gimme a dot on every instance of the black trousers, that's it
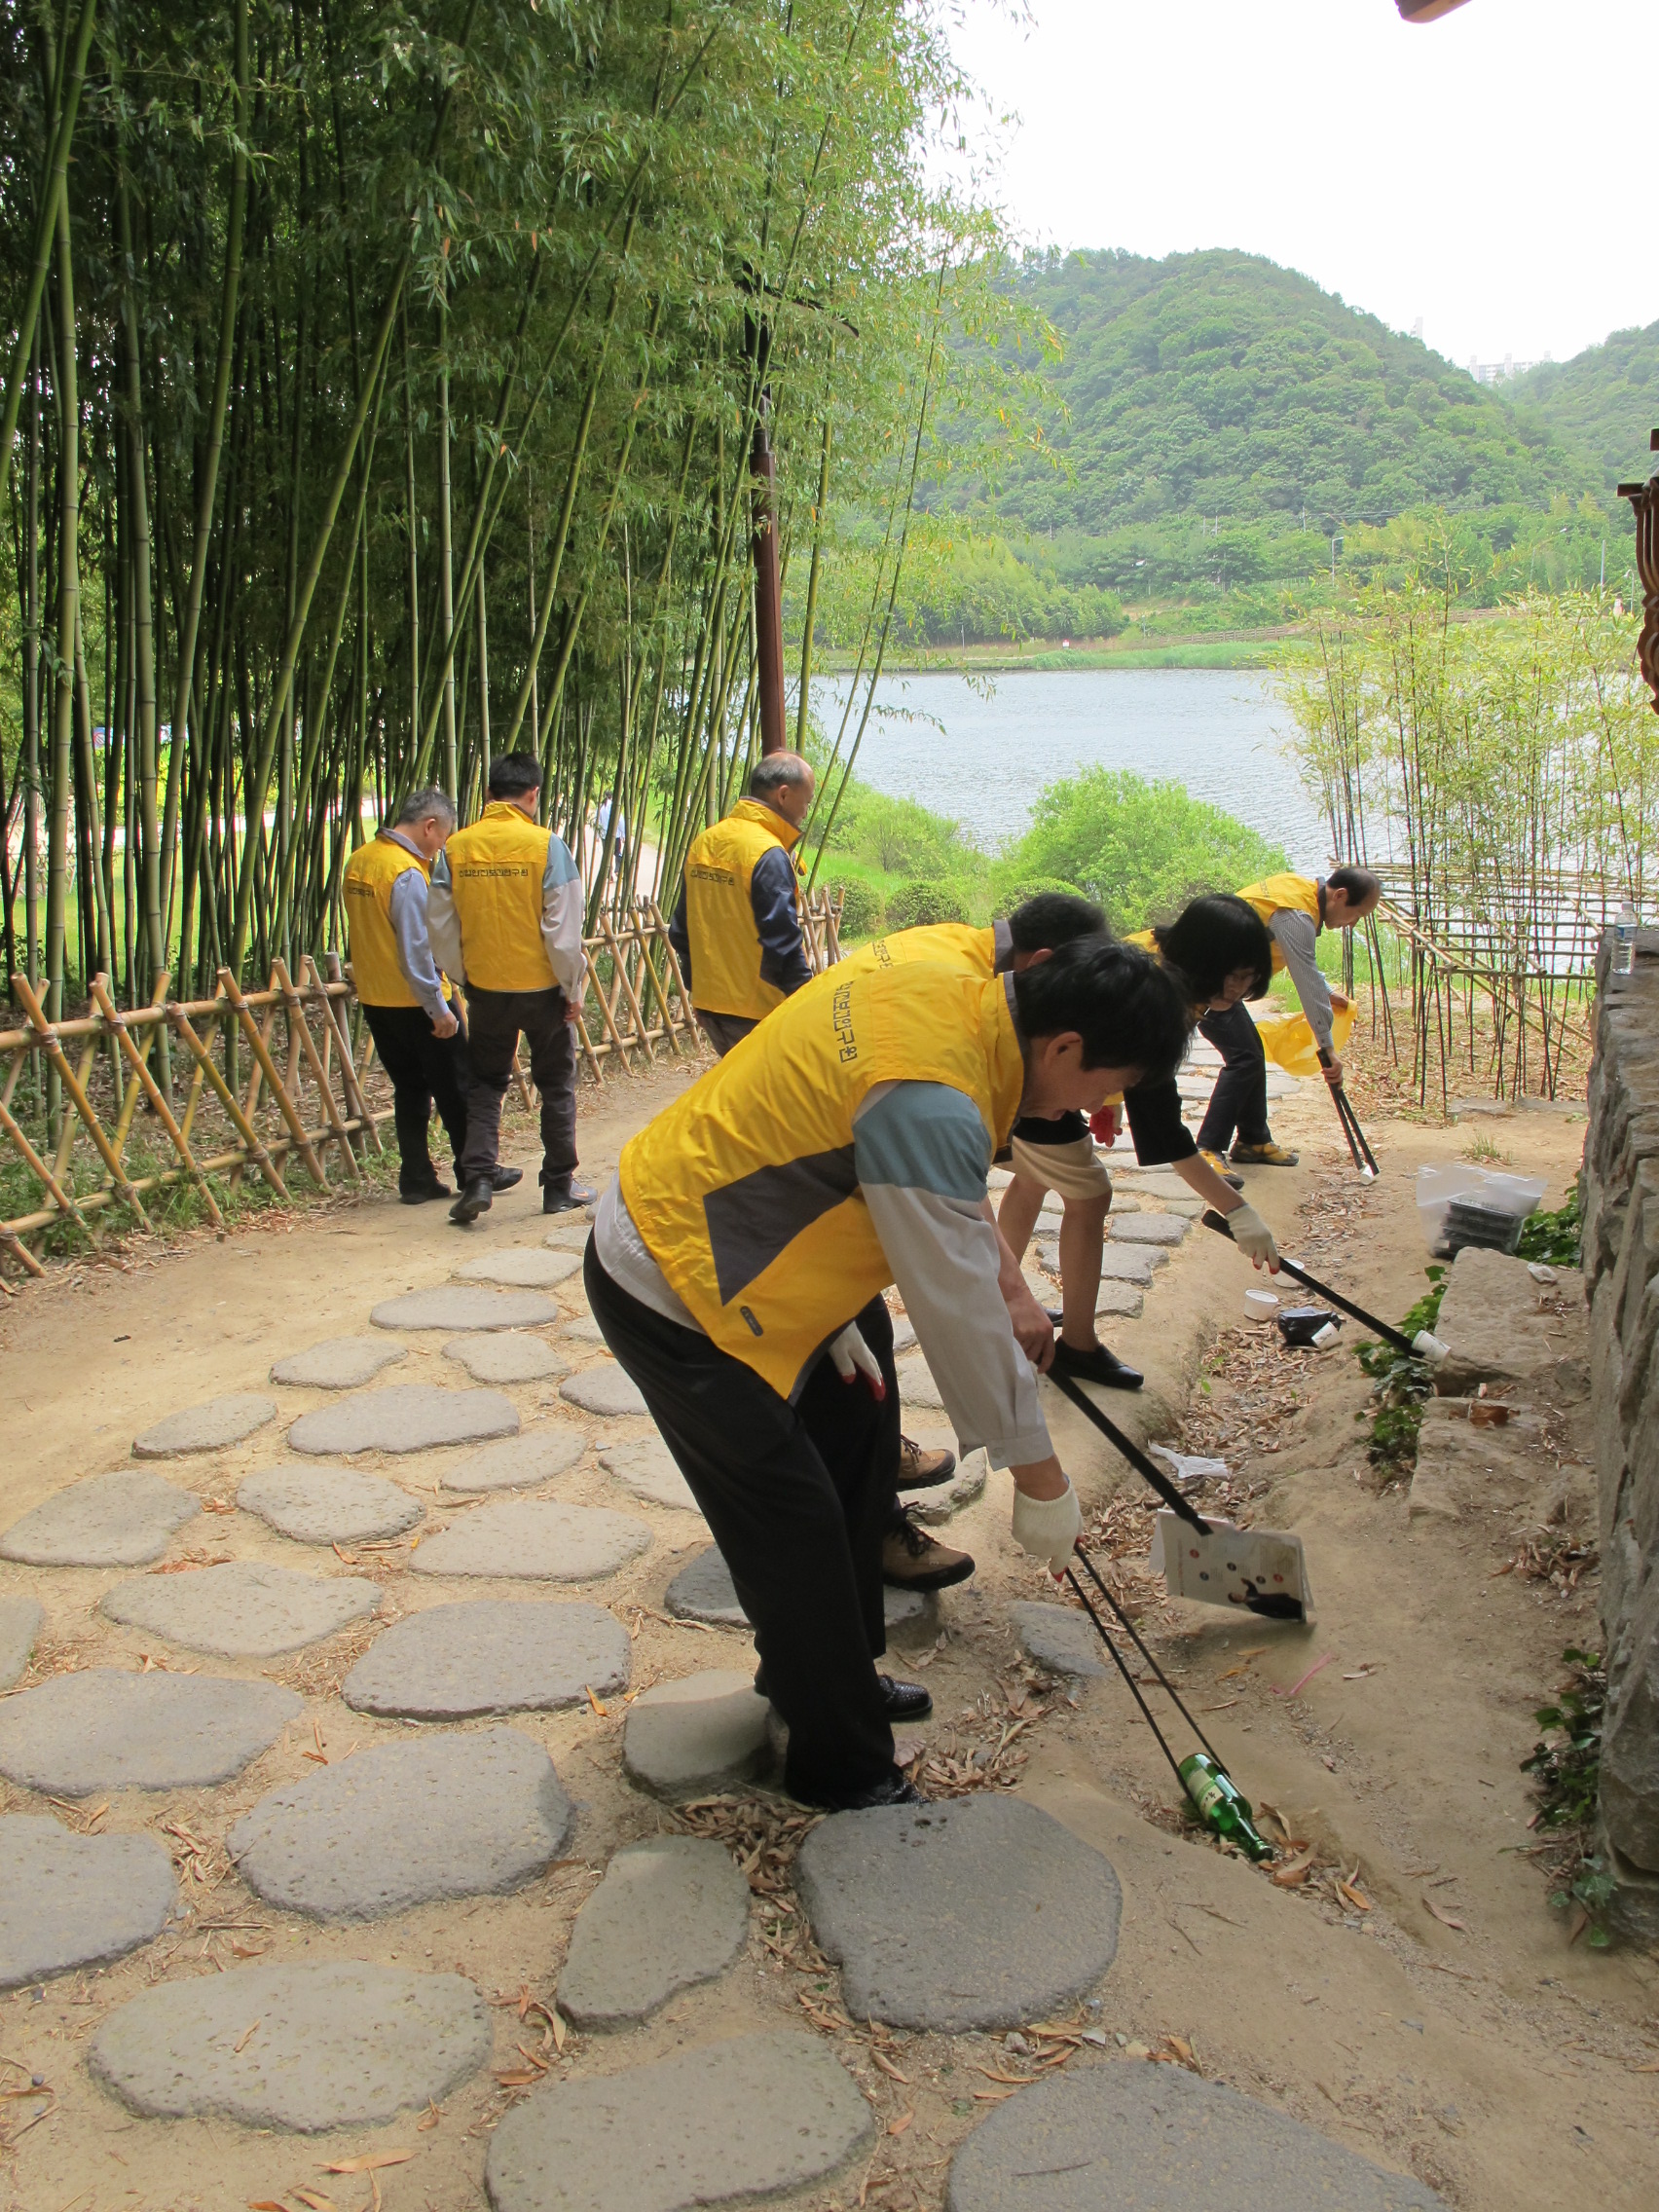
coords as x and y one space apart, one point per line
425 1071
1239 1099
495 1021
796 1497
724 1030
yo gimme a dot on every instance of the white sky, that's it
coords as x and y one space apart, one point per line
1483 171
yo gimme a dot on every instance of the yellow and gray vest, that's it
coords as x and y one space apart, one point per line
719 916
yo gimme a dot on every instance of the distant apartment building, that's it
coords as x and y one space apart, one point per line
1501 372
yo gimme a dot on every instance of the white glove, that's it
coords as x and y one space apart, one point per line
1252 1236
1048 1527
854 1357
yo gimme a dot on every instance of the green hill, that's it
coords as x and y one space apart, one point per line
1218 384
1604 400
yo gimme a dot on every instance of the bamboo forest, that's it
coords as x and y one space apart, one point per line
390 386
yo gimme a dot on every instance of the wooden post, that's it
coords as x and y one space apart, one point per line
769 587
1645 505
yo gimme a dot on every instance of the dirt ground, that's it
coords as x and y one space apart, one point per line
1503 2064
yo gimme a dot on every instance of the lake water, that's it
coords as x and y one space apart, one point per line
982 758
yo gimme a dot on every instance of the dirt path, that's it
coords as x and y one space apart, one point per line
1496 2060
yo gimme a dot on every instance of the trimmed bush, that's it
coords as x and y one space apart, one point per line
863 912
924 900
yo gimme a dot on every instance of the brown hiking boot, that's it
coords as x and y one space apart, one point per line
919 1468
911 1560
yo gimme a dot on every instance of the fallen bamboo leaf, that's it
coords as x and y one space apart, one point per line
899 2125
368 2161
597 1704
1294 1872
520 2078
887 2068
248 1950
429 2118
1018 2081
1300 1685
1359 1902
315 2199
991 2096
1445 1918
246 2037
265 2204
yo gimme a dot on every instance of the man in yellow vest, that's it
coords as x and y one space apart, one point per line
506 917
1295 908
737 1267
736 930
405 1001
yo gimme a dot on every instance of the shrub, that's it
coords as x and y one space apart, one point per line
1012 885
922 901
863 912
896 835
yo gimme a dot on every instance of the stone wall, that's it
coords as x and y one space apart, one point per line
1621 1269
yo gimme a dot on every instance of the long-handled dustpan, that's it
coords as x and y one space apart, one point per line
1257 1570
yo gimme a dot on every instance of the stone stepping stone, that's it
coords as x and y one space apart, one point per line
702 1591
404 1417
21 1620
583 1330
120 1520
336 2044
75 1901
1059 1639
209 1427
1130 1263
338 1363
536 1539
698 1733
243 1611
746 2117
521 1269
491 1655
103 1729
1164 1186
1139 2136
405 1823
604 1388
569 1236
1120 1301
464 1305
964 1488
917 1384
977 1912
329 1505
1188 1205
647 1468
668 1913
1165 1228
506 1357
904 1335
516 1461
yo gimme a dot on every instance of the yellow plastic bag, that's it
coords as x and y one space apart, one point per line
1288 1039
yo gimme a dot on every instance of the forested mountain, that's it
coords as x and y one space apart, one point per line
1218 384
1605 399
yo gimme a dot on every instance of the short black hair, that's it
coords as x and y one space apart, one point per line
1211 939
1359 884
512 774
1128 1009
1052 918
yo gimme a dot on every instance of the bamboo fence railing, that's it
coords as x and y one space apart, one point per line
269 1076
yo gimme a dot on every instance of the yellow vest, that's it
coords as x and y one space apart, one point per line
975 952
496 866
745 1191
1282 893
719 920
370 874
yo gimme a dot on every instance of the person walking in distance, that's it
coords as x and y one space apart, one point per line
406 1002
1296 908
736 928
506 919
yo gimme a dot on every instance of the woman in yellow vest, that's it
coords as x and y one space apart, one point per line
406 1002
1295 909
736 928
737 1269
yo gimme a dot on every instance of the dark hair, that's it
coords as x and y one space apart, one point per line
1052 918
1357 883
512 774
1211 939
1128 1009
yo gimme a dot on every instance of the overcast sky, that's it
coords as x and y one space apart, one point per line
1483 172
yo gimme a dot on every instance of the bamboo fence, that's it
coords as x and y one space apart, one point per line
275 1074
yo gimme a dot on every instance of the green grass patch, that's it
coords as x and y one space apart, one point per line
1565 1766
1401 1385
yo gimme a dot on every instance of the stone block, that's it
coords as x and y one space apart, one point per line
604 1388
212 1426
1630 1740
506 1355
119 1520
75 1901
669 1912
1500 1326
703 1732
942 1503
21 1619
525 1268
103 1729
243 1609
338 1363
516 1462
465 1306
646 1468
1119 1302
702 1591
404 1417
1136 1264
1160 1229
1060 1639
491 1655
536 1539
1463 1473
329 1505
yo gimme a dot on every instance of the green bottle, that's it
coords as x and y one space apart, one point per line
1219 1804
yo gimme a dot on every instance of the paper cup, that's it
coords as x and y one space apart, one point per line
1260 1305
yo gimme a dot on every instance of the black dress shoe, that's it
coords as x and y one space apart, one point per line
897 1791
473 1201
567 1197
904 1701
504 1178
1096 1365
423 1193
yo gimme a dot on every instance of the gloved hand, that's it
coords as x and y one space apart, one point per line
853 1357
1048 1527
1103 1126
1253 1237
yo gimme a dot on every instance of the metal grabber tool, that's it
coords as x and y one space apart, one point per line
1359 1151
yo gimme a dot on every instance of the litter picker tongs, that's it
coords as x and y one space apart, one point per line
1359 1151
1400 1342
